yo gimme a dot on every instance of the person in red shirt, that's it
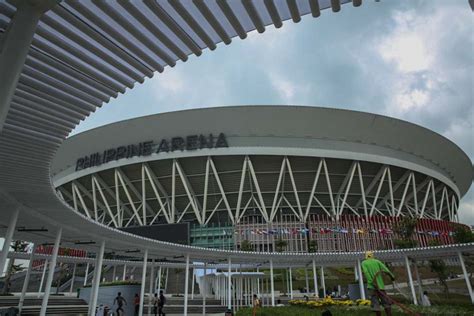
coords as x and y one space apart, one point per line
136 302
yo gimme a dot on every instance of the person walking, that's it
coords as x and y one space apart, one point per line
155 302
120 302
425 300
161 304
373 269
256 304
136 302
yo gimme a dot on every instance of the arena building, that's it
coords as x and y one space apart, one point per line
277 178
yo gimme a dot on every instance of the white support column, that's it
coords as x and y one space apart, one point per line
306 278
11 225
204 290
52 266
15 44
142 288
272 285
27 280
258 283
229 285
315 279
410 281
124 275
166 279
85 275
97 276
466 276
291 285
159 280
186 286
192 285
114 272
45 267
361 280
150 288
73 277
323 282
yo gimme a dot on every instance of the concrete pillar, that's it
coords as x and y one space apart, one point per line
166 280
466 276
14 48
410 281
97 275
45 266
52 266
124 275
186 286
114 271
291 284
258 283
418 279
150 288
361 280
142 288
204 290
306 279
192 285
229 285
27 280
12 223
323 282
86 274
272 285
159 280
73 277
315 279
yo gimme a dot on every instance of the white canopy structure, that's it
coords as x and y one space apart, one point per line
60 60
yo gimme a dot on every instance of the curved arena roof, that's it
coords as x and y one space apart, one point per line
273 158
83 53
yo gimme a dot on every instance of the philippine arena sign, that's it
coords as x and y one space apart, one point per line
146 148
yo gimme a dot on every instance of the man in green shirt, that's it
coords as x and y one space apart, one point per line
373 270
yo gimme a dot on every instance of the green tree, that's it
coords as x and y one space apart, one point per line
280 245
405 229
246 245
312 246
463 235
440 268
17 246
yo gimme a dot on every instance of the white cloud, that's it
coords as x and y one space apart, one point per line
408 46
285 88
169 82
412 99
466 212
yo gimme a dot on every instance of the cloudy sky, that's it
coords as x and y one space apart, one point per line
411 59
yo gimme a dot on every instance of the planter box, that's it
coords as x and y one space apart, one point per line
107 295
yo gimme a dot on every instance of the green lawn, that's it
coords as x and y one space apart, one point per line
355 311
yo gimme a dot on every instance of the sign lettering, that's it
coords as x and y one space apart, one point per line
191 142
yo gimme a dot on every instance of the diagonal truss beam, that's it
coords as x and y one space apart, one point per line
221 189
158 190
189 191
128 195
95 184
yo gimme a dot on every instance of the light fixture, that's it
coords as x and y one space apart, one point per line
24 229
84 242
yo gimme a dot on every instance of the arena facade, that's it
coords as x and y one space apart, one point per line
315 178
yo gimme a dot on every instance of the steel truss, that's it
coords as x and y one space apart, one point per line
201 197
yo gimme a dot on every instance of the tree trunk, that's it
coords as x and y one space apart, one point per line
6 286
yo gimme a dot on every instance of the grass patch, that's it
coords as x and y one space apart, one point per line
353 311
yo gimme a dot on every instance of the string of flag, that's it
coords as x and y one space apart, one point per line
333 230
